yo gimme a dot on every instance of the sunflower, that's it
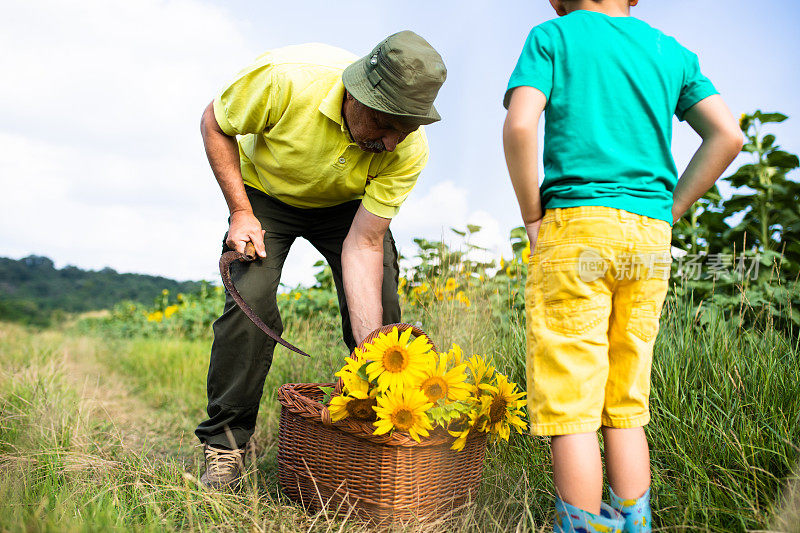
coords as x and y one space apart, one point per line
462 298
455 355
526 253
482 374
360 407
450 285
396 362
403 411
353 364
356 399
439 383
461 428
503 409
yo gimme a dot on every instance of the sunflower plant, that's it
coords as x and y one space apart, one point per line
403 384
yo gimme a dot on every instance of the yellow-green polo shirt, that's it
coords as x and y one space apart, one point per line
293 145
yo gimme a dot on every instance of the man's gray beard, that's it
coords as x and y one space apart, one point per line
375 145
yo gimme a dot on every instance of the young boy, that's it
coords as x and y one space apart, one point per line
600 231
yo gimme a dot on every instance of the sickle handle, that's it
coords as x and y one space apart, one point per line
249 251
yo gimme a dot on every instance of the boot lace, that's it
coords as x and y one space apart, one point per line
221 461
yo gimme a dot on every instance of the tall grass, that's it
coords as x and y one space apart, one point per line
724 433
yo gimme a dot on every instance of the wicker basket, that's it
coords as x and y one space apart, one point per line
384 479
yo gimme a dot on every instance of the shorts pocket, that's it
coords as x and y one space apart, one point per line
571 305
646 309
573 317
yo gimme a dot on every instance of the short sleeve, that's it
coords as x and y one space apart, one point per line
250 103
387 190
695 87
535 65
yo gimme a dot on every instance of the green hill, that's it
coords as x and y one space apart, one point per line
33 291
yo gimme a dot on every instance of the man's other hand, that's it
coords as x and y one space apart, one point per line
245 227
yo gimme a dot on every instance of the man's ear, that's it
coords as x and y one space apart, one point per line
559 7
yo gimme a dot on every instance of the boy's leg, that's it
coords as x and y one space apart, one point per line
627 457
567 310
633 328
577 470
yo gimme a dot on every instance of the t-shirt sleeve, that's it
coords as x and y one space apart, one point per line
535 65
387 190
695 87
251 103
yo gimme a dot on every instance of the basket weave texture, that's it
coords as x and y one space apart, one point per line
342 467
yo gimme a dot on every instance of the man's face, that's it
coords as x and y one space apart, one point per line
374 131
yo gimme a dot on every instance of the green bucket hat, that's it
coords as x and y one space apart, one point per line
401 77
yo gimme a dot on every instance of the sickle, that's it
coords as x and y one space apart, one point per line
225 270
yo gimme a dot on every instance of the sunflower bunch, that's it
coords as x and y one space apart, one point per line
400 384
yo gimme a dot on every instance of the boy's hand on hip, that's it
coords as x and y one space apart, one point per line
533 232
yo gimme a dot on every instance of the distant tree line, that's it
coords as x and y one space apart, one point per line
33 291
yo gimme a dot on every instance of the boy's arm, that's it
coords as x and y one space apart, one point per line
722 142
520 143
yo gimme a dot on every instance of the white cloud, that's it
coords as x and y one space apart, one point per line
446 206
443 206
101 159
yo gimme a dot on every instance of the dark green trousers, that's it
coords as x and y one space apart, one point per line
241 353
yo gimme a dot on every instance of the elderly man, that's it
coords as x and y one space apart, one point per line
329 146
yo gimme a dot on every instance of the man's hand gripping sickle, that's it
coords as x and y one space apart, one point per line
244 228
248 254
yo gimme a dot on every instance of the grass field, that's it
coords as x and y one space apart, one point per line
97 433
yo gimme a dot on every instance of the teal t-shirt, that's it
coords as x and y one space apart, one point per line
612 86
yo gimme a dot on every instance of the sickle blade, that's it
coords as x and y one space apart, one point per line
225 270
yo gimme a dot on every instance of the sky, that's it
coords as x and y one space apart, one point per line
101 160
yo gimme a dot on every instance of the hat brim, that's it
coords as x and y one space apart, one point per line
358 85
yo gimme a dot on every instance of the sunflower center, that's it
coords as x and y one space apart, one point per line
403 419
461 424
362 409
435 388
394 360
497 409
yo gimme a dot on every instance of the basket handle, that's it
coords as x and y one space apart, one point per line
401 327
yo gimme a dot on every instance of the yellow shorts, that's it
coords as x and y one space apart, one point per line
596 283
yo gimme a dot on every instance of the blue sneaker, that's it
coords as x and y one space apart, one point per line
571 519
638 518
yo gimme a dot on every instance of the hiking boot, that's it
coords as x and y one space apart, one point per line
224 467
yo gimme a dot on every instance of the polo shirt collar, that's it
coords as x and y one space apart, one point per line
331 105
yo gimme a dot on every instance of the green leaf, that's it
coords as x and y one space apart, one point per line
518 246
519 233
362 373
782 159
327 392
743 176
459 232
770 117
472 228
